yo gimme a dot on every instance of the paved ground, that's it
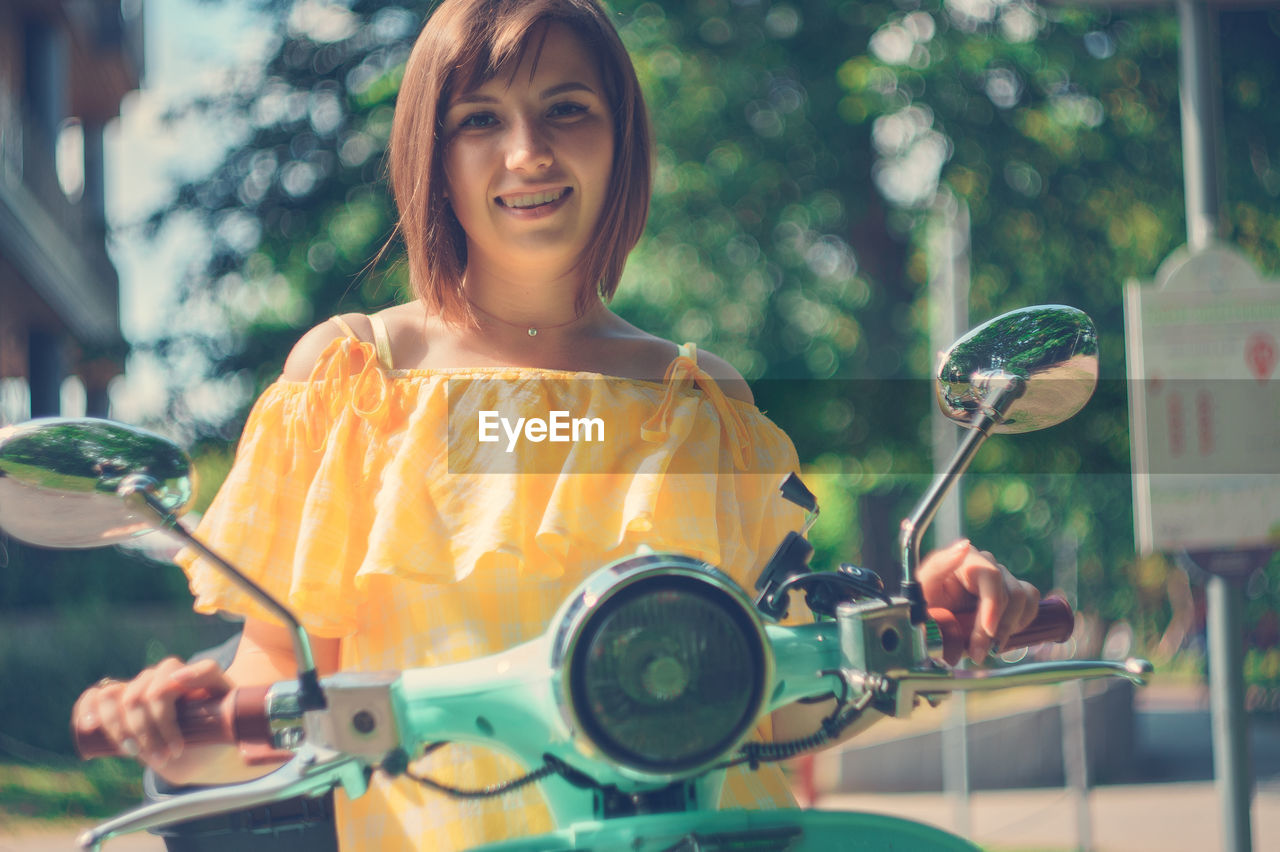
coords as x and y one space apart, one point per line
1178 817
32 837
1173 806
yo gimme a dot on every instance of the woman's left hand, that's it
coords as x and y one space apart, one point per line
962 578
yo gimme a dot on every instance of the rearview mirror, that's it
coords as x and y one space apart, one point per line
60 481
1051 350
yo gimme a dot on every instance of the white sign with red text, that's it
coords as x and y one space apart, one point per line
1204 399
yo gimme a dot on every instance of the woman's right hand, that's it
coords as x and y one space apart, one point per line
139 715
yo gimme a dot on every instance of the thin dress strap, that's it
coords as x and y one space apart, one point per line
682 373
381 341
381 338
342 324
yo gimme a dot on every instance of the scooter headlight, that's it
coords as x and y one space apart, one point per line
665 670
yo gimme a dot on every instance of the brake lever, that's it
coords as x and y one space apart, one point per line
312 772
897 691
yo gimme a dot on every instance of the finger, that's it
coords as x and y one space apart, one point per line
986 581
1024 599
174 681
84 714
946 560
102 707
142 736
160 699
939 577
201 675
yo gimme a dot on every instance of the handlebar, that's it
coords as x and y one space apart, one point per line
253 717
1054 622
240 717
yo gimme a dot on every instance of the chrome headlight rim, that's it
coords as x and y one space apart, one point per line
599 596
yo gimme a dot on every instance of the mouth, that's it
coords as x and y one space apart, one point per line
533 200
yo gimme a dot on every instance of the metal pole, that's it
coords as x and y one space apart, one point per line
1075 754
1199 86
1226 699
949 292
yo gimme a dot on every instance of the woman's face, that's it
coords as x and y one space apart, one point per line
528 156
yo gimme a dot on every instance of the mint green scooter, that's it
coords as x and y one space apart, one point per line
651 676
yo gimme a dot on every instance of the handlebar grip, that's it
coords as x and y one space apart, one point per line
1054 622
239 717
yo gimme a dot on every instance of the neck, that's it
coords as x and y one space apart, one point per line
525 302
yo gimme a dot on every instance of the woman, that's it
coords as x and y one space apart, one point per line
367 491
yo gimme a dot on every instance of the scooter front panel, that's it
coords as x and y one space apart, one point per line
744 831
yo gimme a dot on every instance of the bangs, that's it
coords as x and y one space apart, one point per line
502 39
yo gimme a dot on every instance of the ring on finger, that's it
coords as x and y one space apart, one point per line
129 747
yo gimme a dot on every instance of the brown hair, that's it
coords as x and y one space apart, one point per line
465 43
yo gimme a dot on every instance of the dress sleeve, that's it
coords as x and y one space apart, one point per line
295 510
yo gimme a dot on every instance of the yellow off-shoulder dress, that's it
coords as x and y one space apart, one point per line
365 499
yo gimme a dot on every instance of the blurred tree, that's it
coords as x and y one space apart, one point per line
1059 128
297 211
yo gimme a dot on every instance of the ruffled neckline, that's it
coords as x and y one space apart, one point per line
514 372
349 365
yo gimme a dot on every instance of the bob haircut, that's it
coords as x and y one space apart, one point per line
464 44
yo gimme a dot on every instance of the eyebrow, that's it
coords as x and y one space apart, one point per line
566 87
553 91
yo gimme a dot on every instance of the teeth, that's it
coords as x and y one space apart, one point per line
532 199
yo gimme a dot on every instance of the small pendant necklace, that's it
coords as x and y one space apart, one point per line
532 331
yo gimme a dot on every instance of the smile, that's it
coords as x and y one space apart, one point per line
533 199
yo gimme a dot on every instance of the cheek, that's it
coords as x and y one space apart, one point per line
451 167
598 153
461 168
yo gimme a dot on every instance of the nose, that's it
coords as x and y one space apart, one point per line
528 148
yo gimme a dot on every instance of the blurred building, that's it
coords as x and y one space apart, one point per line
65 65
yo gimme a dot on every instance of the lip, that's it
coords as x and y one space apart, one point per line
541 209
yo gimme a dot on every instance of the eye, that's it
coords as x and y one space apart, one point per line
567 109
478 120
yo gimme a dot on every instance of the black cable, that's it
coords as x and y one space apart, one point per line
489 792
832 726
824 590
863 590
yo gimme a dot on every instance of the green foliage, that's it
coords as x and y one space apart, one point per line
48 656
98 789
212 462
297 213
1060 129
1262 653
33 577
764 244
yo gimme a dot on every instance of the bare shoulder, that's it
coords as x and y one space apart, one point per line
726 376
649 355
411 332
302 358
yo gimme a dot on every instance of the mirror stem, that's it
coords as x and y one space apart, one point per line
139 491
1003 389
